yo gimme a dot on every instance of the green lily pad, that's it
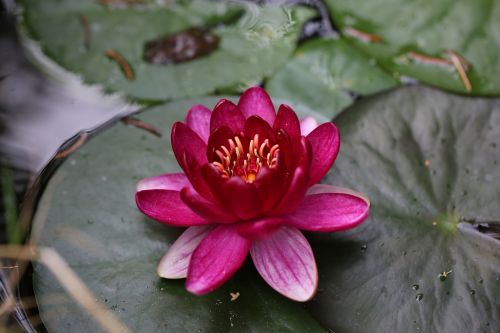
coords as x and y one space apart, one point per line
429 28
429 162
253 47
93 222
325 74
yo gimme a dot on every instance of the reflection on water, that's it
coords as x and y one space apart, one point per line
42 106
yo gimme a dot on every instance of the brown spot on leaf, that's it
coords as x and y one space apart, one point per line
181 47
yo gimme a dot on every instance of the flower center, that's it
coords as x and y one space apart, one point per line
235 160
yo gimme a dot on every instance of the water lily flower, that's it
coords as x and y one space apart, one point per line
249 186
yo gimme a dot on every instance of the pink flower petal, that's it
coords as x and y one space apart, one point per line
219 255
286 262
328 208
256 102
325 144
198 119
168 181
191 154
166 206
227 114
174 264
307 125
204 208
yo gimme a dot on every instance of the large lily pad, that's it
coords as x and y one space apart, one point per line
428 161
429 28
94 224
326 75
251 47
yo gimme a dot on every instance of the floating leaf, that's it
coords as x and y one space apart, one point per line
415 35
428 161
325 75
77 34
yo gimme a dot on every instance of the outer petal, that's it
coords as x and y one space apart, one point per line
325 144
307 125
219 255
227 114
174 264
198 119
256 102
168 181
285 260
166 206
191 154
329 208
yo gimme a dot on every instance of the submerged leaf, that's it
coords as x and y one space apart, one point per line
253 42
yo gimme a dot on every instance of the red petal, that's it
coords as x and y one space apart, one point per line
174 264
198 119
270 185
328 208
227 114
219 255
325 143
256 102
288 121
218 138
260 229
168 181
286 262
255 125
204 208
240 199
294 194
191 154
166 206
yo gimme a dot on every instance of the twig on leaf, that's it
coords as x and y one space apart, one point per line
120 60
142 125
361 35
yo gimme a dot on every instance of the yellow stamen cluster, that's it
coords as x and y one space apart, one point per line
234 160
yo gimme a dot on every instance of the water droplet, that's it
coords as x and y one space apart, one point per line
419 297
363 247
415 287
472 292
